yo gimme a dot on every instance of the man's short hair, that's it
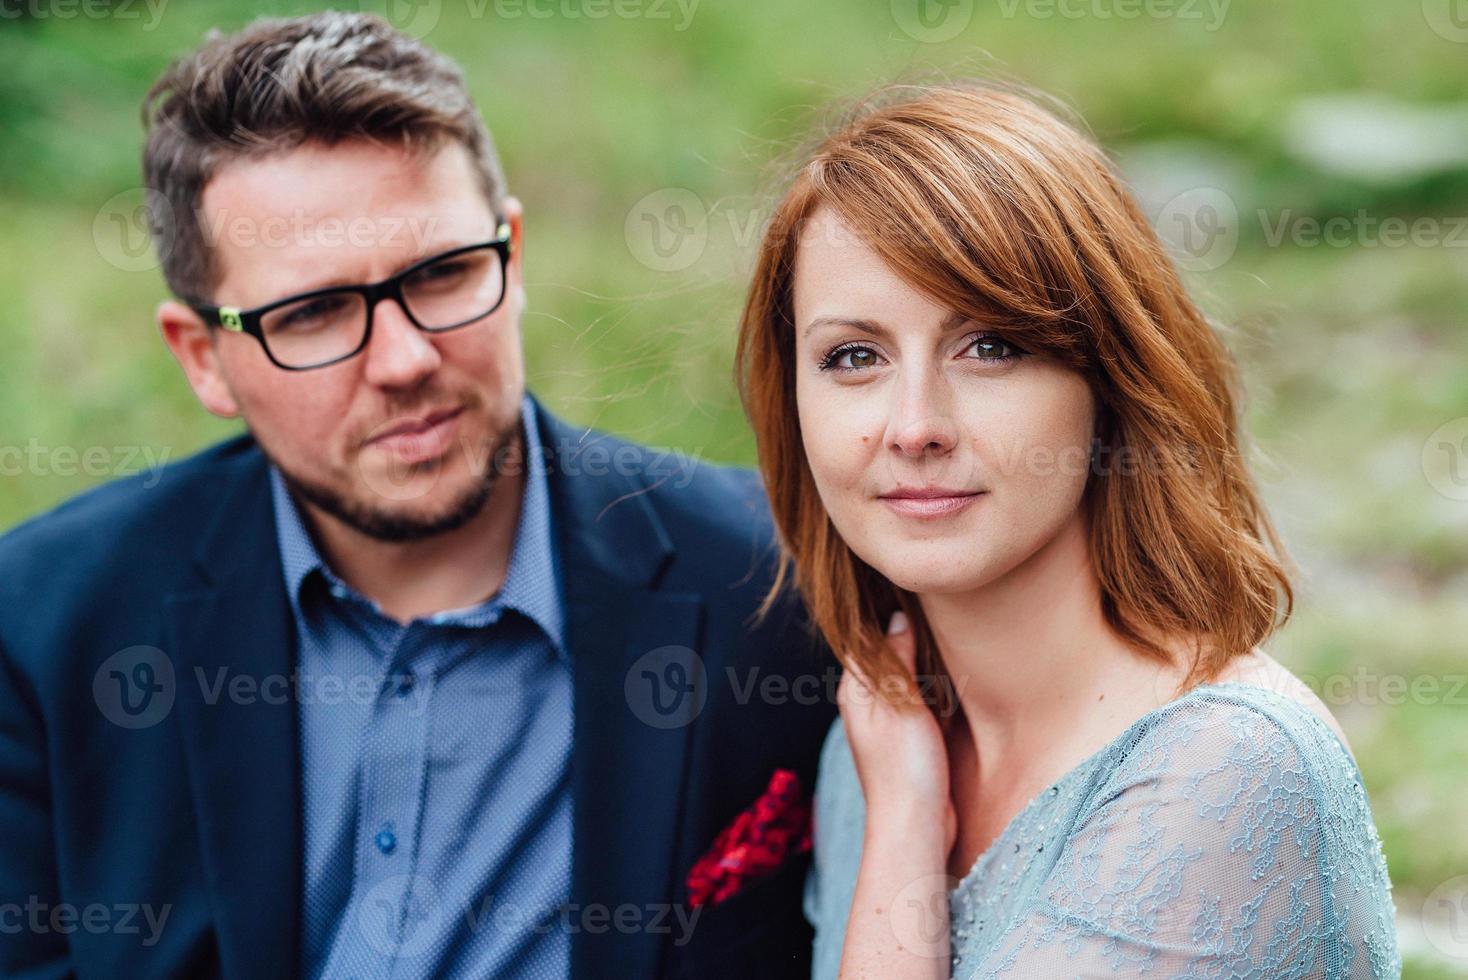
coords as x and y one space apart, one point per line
280 83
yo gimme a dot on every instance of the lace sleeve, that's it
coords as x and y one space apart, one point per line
1232 841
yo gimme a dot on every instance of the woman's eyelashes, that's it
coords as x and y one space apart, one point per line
857 356
991 344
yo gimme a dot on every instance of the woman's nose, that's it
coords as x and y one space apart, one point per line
921 424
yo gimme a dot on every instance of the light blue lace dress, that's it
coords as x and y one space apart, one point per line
1223 835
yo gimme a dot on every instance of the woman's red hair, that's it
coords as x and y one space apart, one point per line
1000 210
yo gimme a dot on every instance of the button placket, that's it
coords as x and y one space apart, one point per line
393 767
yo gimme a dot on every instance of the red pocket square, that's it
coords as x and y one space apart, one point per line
756 843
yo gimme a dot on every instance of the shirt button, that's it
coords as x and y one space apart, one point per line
399 685
386 841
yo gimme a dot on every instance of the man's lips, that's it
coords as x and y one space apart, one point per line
415 425
418 440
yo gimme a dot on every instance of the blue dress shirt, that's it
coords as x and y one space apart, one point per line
436 763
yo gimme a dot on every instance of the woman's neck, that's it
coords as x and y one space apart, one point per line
1040 675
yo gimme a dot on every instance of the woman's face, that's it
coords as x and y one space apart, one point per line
945 456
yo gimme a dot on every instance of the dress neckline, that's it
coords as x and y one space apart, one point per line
1088 763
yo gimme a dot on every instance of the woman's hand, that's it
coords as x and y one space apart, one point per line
900 756
897 928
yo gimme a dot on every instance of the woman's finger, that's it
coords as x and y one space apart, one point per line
855 687
901 642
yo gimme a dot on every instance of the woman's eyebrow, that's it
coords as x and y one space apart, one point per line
952 321
857 323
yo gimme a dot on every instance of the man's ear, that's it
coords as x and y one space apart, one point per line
192 344
515 213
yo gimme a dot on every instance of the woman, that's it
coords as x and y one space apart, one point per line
1002 448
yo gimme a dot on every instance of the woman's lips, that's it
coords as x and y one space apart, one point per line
941 504
418 442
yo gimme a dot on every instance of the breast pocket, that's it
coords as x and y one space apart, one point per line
758 933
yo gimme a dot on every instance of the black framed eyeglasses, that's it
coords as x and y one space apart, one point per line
324 326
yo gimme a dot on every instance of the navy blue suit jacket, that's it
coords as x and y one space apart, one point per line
200 812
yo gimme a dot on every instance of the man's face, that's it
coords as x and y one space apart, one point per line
355 213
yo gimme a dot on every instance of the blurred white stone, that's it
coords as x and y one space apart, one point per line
1376 138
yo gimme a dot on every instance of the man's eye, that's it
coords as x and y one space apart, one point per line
320 313
443 270
313 310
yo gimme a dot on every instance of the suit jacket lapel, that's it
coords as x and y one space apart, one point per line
241 752
638 686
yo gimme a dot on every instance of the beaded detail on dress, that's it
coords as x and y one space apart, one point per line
1225 835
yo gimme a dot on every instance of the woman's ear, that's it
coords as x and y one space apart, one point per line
192 343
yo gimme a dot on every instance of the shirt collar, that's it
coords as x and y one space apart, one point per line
532 580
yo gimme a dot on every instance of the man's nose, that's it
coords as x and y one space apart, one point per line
399 355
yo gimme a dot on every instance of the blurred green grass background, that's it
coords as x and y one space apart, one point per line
1239 122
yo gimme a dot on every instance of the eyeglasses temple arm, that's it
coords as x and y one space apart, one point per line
227 317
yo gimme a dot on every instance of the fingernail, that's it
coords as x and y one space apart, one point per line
897 624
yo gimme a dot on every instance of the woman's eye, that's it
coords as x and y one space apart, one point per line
851 357
989 348
859 357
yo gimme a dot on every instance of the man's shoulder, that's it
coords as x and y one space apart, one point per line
715 515
135 519
711 497
688 491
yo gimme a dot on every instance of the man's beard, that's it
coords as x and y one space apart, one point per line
383 525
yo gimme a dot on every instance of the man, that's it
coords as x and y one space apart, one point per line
414 679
